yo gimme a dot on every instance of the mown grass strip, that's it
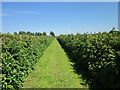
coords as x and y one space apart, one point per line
53 70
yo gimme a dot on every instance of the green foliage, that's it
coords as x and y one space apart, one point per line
19 55
22 32
52 33
53 71
15 32
44 33
96 57
30 33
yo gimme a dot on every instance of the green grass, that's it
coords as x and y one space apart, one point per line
53 70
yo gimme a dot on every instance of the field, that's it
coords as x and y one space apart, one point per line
53 70
66 61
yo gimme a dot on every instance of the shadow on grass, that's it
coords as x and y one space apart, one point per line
83 71
75 66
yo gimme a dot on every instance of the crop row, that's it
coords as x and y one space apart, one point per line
95 56
19 55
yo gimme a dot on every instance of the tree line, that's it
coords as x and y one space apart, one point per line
34 33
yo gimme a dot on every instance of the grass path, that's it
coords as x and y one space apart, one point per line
53 70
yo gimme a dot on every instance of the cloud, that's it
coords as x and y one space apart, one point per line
26 12
19 12
4 14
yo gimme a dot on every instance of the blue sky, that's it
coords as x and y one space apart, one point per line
60 0
61 17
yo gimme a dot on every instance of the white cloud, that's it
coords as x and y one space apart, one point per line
19 12
26 12
4 14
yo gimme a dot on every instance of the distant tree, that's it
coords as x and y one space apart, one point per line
32 33
40 33
52 33
113 30
23 32
44 33
15 32
20 32
36 34
28 33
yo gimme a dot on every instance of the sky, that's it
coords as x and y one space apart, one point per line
59 17
60 0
